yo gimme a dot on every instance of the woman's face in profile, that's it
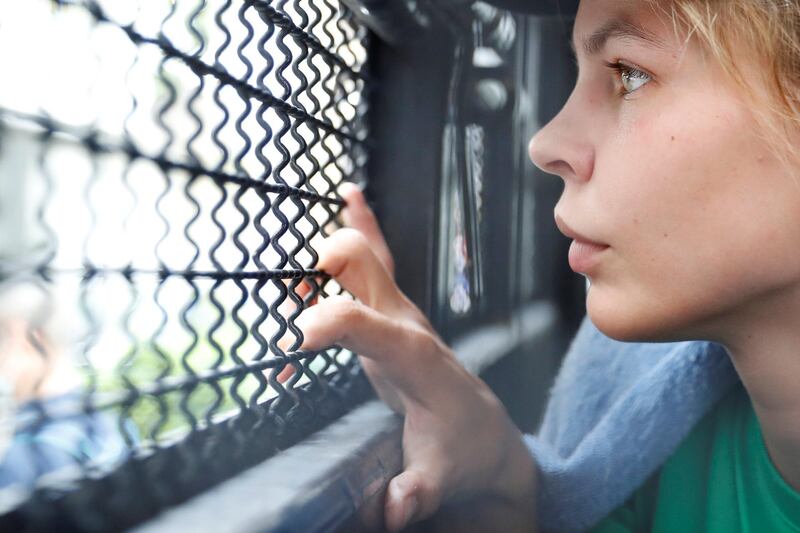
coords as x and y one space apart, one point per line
663 161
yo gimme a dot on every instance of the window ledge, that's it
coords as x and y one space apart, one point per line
336 478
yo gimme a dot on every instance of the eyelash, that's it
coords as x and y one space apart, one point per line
622 68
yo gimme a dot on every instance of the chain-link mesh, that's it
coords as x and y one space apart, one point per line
166 168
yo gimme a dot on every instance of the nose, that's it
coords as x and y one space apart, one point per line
563 147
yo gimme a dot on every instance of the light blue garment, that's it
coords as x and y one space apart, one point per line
616 413
56 443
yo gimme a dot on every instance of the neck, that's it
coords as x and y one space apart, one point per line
765 349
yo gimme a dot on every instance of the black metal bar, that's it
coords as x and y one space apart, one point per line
105 401
222 175
89 271
193 62
337 481
282 21
91 140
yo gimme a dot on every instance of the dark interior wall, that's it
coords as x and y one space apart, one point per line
407 113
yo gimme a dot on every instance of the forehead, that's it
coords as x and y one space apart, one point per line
623 19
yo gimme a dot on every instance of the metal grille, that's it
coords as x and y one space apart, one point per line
166 168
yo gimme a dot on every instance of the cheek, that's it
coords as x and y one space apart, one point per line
661 195
701 222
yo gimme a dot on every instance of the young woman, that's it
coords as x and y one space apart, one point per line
682 195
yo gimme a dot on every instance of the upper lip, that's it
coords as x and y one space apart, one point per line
564 228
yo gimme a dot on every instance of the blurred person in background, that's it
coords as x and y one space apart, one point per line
36 377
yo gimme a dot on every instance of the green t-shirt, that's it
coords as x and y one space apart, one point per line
720 479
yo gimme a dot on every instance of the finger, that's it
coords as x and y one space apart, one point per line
319 337
347 256
285 374
384 388
306 290
394 344
341 321
359 216
410 497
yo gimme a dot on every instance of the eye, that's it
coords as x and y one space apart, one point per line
631 78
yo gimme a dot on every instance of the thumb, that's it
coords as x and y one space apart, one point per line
410 497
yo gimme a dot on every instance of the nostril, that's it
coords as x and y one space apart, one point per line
559 168
570 162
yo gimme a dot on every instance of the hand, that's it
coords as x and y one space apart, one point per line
458 440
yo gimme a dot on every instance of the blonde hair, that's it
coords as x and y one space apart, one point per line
766 31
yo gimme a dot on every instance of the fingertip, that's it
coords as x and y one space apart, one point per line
402 503
315 322
284 343
285 374
351 193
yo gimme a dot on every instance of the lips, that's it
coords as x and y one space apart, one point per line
584 256
584 253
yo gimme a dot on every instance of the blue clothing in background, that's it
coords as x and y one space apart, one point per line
616 413
59 444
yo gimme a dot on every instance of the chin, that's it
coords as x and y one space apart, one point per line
630 319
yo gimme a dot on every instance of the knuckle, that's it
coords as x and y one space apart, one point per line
423 343
341 249
415 315
349 240
345 310
329 322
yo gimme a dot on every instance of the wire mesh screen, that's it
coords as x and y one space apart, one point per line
166 168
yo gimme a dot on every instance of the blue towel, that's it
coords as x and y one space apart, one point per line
616 413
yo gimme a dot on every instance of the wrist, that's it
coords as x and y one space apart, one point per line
516 482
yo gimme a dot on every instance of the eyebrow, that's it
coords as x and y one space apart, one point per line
616 28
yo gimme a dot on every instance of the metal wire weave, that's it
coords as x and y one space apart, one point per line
167 167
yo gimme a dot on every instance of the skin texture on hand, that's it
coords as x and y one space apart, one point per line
458 441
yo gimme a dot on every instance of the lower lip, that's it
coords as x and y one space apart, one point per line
584 256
